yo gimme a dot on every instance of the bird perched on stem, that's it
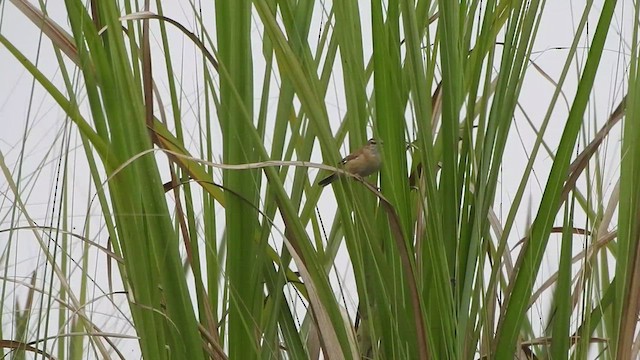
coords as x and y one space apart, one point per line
362 162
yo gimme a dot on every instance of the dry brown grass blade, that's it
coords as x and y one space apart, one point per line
527 353
145 15
95 13
168 144
147 74
578 165
552 81
58 36
216 351
590 252
557 230
313 342
604 237
630 303
18 345
72 234
635 350
547 341
436 107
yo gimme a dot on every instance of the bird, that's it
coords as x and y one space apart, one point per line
362 162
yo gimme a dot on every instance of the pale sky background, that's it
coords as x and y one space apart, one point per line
26 107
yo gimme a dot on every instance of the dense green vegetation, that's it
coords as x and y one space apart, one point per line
213 239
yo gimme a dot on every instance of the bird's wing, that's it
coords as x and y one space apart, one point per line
349 158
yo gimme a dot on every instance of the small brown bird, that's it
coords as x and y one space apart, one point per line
363 162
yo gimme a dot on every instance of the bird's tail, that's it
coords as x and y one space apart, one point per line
328 180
